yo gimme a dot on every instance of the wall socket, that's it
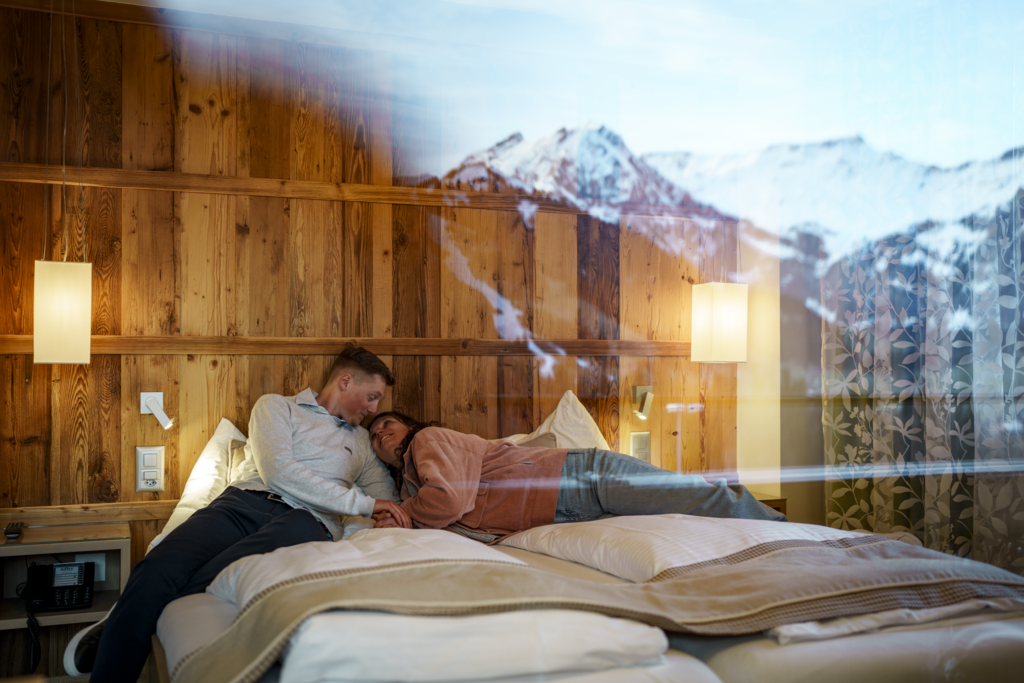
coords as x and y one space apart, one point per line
640 445
149 468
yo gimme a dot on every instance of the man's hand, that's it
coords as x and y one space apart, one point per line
386 509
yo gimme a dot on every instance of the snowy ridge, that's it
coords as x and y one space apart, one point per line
845 189
589 167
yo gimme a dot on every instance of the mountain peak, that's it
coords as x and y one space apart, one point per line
589 166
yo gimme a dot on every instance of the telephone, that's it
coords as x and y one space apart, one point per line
55 587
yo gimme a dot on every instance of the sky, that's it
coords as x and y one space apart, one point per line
937 82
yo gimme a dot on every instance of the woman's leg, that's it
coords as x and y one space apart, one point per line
597 483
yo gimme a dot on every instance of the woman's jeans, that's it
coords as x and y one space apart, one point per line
597 483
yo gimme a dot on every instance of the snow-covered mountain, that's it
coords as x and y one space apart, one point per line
589 166
844 189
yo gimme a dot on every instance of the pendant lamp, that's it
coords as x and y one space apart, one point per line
62 311
719 321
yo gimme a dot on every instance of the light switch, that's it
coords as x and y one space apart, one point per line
640 445
149 468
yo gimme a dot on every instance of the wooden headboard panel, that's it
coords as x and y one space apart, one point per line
250 206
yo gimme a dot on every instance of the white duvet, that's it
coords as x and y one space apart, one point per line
373 646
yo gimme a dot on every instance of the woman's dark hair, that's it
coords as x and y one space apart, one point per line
415 426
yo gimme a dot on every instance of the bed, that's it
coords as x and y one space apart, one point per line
661 598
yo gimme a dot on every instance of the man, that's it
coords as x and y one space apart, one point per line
304 457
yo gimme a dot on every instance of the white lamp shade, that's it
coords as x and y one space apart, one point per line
719 324
63 312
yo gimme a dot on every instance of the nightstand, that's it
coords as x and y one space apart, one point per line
52 544
774 502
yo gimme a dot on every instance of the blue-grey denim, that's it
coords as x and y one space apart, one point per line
597 483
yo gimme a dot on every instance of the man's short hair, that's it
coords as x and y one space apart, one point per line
356 359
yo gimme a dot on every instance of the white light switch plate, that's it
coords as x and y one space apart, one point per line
142 454
640 445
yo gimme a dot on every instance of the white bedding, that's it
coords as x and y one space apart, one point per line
974 648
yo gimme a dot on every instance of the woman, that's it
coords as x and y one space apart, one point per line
487 490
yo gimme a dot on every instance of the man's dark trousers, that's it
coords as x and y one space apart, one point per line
236 524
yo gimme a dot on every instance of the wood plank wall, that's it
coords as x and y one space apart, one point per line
198 265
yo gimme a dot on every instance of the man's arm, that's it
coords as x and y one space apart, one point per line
270 441
450 481
374 478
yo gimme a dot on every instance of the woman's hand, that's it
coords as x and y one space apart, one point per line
385 521
388 514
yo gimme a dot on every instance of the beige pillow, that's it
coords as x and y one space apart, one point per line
570 424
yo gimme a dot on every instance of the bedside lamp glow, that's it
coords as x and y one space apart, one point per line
719 323
62 312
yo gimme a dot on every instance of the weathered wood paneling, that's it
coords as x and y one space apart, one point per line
597 253
236 207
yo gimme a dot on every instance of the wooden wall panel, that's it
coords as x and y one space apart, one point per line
23 36
556 308
149 373
21 232
208 391
597 253
469 299
515 286
25 432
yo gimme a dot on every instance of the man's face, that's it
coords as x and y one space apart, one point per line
359 397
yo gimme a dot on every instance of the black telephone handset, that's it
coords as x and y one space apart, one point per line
51 588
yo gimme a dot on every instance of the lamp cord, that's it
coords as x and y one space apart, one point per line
81 141
64 137
46 134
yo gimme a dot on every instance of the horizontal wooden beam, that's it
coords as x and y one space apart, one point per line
88 514
11 344
169 181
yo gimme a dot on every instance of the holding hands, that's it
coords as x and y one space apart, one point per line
388 514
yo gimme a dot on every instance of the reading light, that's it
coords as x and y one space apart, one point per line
643 398
152 402
719 323
62 312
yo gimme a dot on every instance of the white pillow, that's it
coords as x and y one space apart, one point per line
362 646
570 423
210 476
639 548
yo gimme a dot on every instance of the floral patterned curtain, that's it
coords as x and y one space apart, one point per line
923 388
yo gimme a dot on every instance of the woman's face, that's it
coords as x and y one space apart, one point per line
386 435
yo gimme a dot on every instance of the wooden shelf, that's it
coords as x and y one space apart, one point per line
57 540
13 615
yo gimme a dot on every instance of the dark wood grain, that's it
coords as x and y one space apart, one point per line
408 322
98 80
21 217
24 432
103 462
597 249
70 403
516 287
